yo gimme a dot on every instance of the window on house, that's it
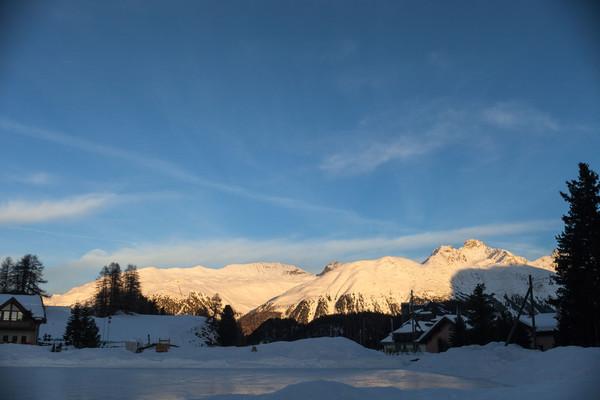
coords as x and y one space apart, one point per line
10 312
5 339
6 313
14 339
23 339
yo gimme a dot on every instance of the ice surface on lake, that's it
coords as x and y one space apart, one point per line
146 383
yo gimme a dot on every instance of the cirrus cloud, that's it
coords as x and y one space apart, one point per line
410 132
24 212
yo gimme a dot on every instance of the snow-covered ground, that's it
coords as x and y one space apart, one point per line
324 368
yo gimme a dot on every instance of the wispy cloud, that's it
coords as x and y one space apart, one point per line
515 115
39 178
402 135
36 178
311 254
418 130
169 169
23 212
373 155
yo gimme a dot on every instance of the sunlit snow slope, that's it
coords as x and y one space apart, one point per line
243 286
273 289
381 285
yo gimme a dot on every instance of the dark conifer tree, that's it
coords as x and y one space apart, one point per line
228 330
6 275
27 276
115 288
459 334
503 327
578 263
101 297
479 311
109 291
81 330
132 294
215 308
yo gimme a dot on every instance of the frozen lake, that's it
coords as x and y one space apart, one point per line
33 383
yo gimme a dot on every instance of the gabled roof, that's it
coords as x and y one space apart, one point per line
32 303
423 328
544 322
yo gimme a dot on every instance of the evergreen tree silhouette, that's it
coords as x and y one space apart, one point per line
81 330
479 311
228 330
578 263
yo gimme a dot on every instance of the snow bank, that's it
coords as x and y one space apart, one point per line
512 365
309 353
508 372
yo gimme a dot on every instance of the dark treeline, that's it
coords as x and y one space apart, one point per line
120 291
23 276
366 328
485 324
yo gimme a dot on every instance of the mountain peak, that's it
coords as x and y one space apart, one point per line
330 267
448 254
474 243
473 252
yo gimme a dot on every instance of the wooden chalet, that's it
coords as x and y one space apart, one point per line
429 335
20 318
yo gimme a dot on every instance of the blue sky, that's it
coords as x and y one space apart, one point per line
208 133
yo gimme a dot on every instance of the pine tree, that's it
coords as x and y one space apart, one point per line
459 335
27 276
115 292
578 263
81 330
504 325
131 289
215 308
101 297
228 329
479 310
109 291
6 274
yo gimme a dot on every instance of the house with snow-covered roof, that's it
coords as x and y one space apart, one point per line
20 318
431 335
545 324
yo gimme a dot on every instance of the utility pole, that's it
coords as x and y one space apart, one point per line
534 339
514 327
532 312
412 319
108 332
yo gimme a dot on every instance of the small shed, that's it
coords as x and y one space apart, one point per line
20 318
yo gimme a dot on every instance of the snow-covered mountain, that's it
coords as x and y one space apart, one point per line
382 285
264 290
243 286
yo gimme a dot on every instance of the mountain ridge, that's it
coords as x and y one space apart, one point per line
382 285
258 290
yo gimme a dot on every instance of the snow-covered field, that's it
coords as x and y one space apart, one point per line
324 368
